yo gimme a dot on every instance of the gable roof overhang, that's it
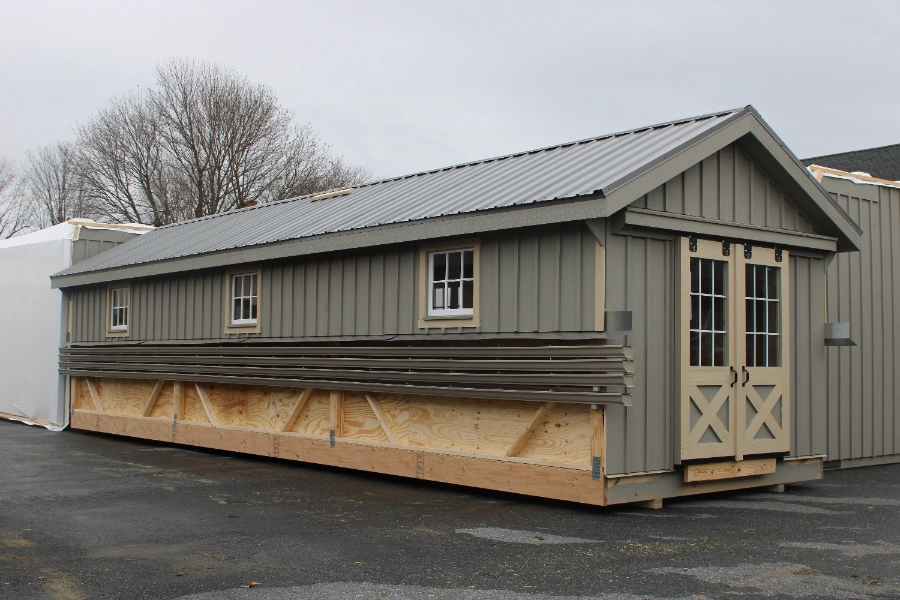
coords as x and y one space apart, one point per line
744 126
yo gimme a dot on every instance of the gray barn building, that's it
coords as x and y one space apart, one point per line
620 319
862 422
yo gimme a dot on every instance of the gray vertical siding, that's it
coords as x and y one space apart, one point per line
536 280
809 417
728 186
864 289
91 242
640 277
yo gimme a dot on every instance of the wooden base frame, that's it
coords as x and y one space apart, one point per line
551 450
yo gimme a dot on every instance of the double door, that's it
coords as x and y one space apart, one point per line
735 350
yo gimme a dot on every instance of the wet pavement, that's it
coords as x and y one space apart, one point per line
93 516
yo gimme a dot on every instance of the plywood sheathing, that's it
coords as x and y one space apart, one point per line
452 440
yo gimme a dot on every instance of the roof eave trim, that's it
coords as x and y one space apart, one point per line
808 175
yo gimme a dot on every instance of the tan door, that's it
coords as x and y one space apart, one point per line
763 353
708 376
734 398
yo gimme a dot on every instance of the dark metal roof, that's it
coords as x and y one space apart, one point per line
882 162
583 168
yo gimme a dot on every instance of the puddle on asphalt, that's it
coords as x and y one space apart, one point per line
518 536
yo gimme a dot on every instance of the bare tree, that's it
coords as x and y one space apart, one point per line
227 135
51 182
203 141
310 167
123 164
15 211
233 142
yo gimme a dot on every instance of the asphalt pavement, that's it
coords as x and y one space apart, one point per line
86 516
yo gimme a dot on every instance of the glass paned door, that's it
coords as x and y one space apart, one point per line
734 392
708 377
764 409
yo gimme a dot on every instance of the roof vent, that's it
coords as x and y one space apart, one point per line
332 194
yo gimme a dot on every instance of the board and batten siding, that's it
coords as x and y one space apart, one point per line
863 417
640 277
534 280
93 241
808 356
728 186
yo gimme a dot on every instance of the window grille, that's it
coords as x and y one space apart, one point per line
451 282
709 313
244 299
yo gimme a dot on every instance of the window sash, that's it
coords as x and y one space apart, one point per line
708 328
118 309
244 299
763 316
451 282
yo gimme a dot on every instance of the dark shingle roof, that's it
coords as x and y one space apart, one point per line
882 162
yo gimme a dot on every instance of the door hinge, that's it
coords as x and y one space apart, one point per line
748 251
692 243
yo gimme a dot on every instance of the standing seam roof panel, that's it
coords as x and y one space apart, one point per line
564 171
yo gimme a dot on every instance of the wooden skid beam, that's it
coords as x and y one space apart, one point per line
729 470
154 396
513 475
533 424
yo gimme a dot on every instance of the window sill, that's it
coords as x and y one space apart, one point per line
448 317
450 322
247 325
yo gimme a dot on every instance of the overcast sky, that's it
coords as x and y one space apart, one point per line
406 86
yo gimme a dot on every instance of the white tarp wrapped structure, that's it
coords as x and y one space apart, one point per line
34 322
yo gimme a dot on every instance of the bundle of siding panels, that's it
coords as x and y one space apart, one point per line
557 373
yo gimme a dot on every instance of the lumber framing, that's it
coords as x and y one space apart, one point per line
154 396
302 399
207 405
382 419
95 395
535 422
553 452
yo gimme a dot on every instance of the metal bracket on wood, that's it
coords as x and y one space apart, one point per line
778 256
174 425
726 248
748 251
692 243
331 438
596 468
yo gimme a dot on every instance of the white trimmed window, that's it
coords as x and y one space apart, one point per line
244 297
451 282
118 309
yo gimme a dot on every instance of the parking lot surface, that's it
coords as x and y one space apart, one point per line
91 516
